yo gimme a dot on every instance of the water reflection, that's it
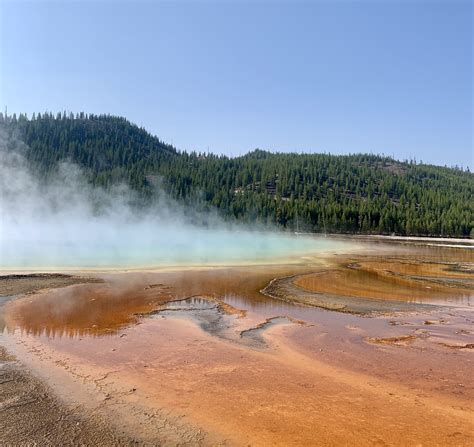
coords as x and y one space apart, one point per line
402 276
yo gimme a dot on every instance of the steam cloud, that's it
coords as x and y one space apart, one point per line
64 222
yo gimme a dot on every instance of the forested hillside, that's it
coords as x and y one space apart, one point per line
302 192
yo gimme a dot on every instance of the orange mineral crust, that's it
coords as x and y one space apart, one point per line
200 356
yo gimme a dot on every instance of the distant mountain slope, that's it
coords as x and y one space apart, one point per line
303 192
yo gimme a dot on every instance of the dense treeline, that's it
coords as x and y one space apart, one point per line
303 192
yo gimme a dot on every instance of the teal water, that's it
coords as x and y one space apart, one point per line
165 248
64 222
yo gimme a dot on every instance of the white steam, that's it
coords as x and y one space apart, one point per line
64 222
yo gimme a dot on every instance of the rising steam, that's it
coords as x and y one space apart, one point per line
64 222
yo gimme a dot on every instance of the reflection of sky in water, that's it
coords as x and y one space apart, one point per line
165 247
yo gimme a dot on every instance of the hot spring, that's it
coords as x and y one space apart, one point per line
62 221
139 248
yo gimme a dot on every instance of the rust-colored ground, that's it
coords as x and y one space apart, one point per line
212 370
96 309
397 278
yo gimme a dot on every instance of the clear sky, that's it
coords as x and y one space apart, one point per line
390 77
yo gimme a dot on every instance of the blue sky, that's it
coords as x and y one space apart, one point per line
390 77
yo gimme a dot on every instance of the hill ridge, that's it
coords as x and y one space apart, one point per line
357 193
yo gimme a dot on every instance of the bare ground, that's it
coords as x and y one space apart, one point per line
30 414
19 284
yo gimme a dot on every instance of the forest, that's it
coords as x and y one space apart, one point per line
310 192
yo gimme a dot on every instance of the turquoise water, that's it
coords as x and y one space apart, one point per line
65 222
138 248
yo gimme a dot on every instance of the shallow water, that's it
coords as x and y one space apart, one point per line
207 346
127 298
